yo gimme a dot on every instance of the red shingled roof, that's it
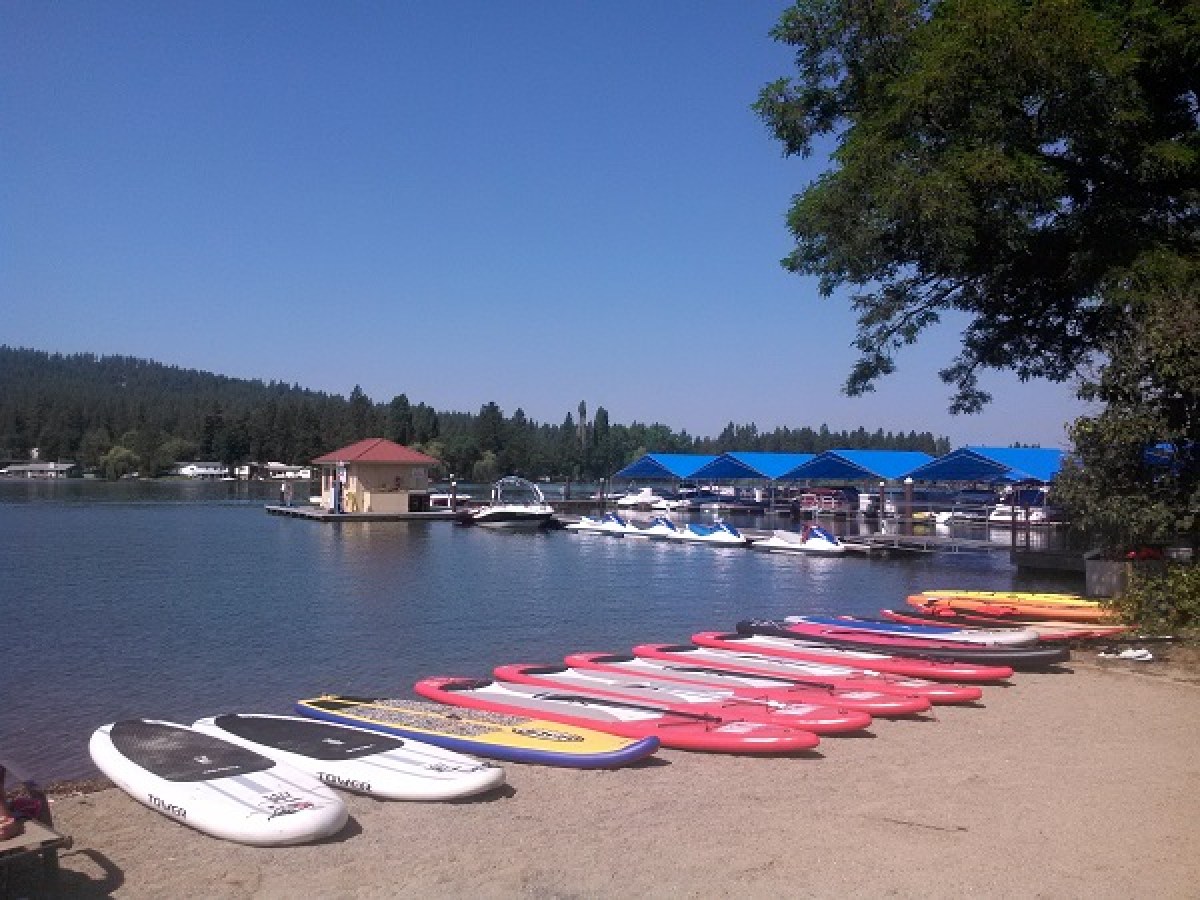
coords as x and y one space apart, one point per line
377 450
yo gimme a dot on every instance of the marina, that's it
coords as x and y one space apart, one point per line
183 600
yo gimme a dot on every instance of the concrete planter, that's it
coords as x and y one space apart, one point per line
1110 577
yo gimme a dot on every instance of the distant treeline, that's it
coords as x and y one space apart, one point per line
119 414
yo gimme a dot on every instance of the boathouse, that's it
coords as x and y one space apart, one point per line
375 476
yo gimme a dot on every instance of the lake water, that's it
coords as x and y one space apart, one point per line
179 600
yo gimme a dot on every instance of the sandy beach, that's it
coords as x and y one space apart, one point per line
1061 785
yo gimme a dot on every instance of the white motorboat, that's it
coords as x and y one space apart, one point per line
516 503
609 523
717 533
1026 506
813 539
646 498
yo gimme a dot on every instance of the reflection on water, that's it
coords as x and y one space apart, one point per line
179 600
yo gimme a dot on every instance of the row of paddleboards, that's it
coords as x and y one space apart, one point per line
767 688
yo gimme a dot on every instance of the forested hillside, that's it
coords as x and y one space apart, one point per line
118 414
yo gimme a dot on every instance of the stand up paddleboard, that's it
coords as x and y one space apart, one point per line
849 638
214 786
704 731
353 759
795 648
805 672
515 738
755 687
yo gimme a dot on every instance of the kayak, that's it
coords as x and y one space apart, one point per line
937 669
1086 613
757 688
512 738
1016 657
1049 630
825 717
690 657
703 731
1016 637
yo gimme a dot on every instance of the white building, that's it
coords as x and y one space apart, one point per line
201 470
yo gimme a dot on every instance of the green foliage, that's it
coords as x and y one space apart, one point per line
118 461
1150 389
999 158
1162 599
165 415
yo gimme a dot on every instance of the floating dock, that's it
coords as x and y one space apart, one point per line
318 514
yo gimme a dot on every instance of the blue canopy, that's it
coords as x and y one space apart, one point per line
751 465
858 465
665 465
993 464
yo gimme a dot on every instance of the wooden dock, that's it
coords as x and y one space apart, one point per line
317 514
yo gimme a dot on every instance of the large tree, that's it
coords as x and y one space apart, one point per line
1013 160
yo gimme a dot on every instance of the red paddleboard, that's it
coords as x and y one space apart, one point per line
757 688
683 730
796 648
825 717
805 672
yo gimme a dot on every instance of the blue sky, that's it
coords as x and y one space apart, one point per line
532 203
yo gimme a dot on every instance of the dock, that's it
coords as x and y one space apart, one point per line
317 514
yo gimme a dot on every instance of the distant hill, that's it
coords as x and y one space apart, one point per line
115 414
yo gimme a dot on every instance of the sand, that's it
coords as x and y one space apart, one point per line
1062 785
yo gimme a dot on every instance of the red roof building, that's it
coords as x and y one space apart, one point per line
375 476
377 450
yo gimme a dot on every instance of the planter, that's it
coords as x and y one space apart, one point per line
1110 577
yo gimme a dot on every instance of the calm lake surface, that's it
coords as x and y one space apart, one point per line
180 600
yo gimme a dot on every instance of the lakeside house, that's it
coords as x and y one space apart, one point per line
272 471
210 470
375 476
41 470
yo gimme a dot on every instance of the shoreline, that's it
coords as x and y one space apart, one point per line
1077 784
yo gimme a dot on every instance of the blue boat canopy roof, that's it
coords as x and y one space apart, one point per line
752 465
858 465
993 464
665 465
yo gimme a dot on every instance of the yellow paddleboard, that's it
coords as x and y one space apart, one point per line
483 733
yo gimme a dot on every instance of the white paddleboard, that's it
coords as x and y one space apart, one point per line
355 759
215 786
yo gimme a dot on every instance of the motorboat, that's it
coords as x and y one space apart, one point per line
609 523
1026 506
812 539
516 503
717 533
659 527
646 498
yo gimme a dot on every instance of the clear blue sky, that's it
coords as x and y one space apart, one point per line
532 203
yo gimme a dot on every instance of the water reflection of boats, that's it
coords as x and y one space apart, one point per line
516 503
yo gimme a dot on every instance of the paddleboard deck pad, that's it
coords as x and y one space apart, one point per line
215 786
366 762
513 738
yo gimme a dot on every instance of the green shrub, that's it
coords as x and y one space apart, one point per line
1163 599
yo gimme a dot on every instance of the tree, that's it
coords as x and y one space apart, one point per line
399 427
1001 158
1138 474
